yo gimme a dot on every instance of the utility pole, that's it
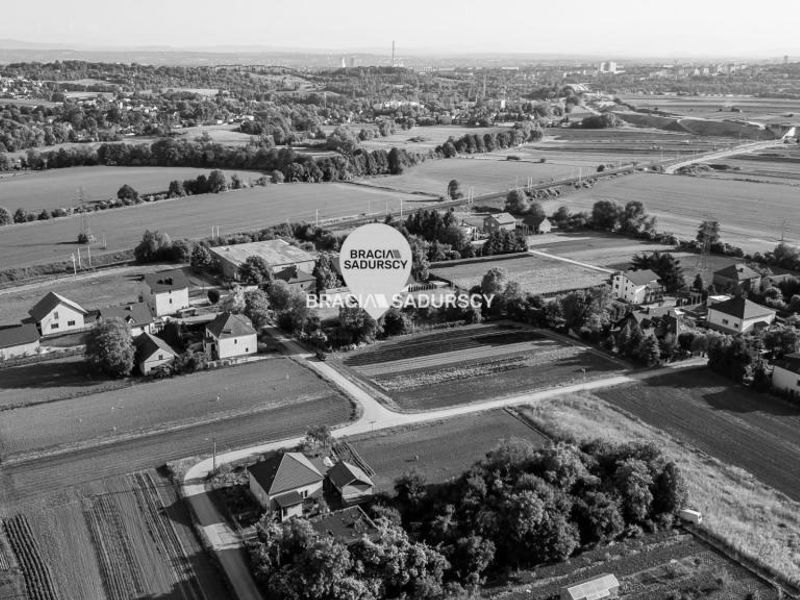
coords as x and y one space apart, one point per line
316 218
79 259
74 268
89 256
213 454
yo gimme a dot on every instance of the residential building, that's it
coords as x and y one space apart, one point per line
152 352
637 287
500 221
738 315
18 340
283 481
786 374
736 278
350 482
230 335
596 588
278 254
347 526
166 292
297 278
55 314
545 226
137 316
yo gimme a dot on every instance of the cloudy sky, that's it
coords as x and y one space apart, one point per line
616 27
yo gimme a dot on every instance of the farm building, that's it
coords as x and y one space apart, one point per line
166 292
152 352
18 340
350 482
56 314
786 374
137 316
498 222
278 254
738 315
637 287
602 586
297 278
348 525
283 481
736 278
230 335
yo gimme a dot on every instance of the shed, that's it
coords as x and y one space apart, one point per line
602 586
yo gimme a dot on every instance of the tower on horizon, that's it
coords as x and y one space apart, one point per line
394 62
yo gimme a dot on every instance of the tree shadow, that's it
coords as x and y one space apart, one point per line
49 375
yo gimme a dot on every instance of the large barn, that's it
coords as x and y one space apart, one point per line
278 254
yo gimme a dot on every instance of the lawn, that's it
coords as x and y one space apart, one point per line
62 188
440 451
535 273
192 217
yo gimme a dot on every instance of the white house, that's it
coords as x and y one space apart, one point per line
786 374
230 335
283 481
152 352
738 315
18 340
166 292
56 314
137 316
637 287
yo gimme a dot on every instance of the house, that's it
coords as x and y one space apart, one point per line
348 525
297 278
351 483
738 315
56 314
18 340
283 481
537 224
545 226
137 316
230 335
498 222
278 254
786 374
602 586
637 287
166 292
152 352
736 278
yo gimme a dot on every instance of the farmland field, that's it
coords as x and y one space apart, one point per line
421 139
750 214
441 450
59 188
535 273
473 363
192 217
753 108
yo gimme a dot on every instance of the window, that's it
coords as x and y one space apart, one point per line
235 341
55 315
304 494
70 323
170 300
725 321
247 349
160 356
53 325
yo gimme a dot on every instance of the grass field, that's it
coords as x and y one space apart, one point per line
468 364
421 139
441 450
192 217
750 214
59 188
535 273
753 108
754 517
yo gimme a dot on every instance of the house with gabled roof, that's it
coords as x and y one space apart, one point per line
297 278
18 340
283 481
137 316
736 278
637 287
347 525
738 315
230 335
166 292
55 314
152 352
500 221
786 373
350 482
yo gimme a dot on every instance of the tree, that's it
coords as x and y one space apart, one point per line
20 216
153 247
634 480
649 351
5 217
217 182
318 440
201 259
665 265
343 139
256 307
698 284
634 219
233 302
606 215
670 491
255 271
109 348
454 190
127 193
516 202
494 282
325 273
358 324
708 233
176 189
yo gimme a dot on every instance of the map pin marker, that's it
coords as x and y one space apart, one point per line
375 261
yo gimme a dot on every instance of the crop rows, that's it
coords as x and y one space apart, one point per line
38 579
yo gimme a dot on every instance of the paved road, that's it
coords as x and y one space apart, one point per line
374 416
744 148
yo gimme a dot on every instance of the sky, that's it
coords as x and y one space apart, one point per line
642 28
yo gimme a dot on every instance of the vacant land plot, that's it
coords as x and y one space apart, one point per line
439 451
192 217
145 408
719 107
750 214
422 372
62 188
421 139
221 134
535 273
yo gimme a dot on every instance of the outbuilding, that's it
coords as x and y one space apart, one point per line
596 588
152 352
18 340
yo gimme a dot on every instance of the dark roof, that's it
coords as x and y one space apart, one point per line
790 362
343 473
739 272
284 472
502 217
293 498
18 335
148 344
347 525
138 313
642 277
230 325
292 274
166 281
741 308
43 307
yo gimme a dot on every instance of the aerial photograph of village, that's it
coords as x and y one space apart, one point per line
586 384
